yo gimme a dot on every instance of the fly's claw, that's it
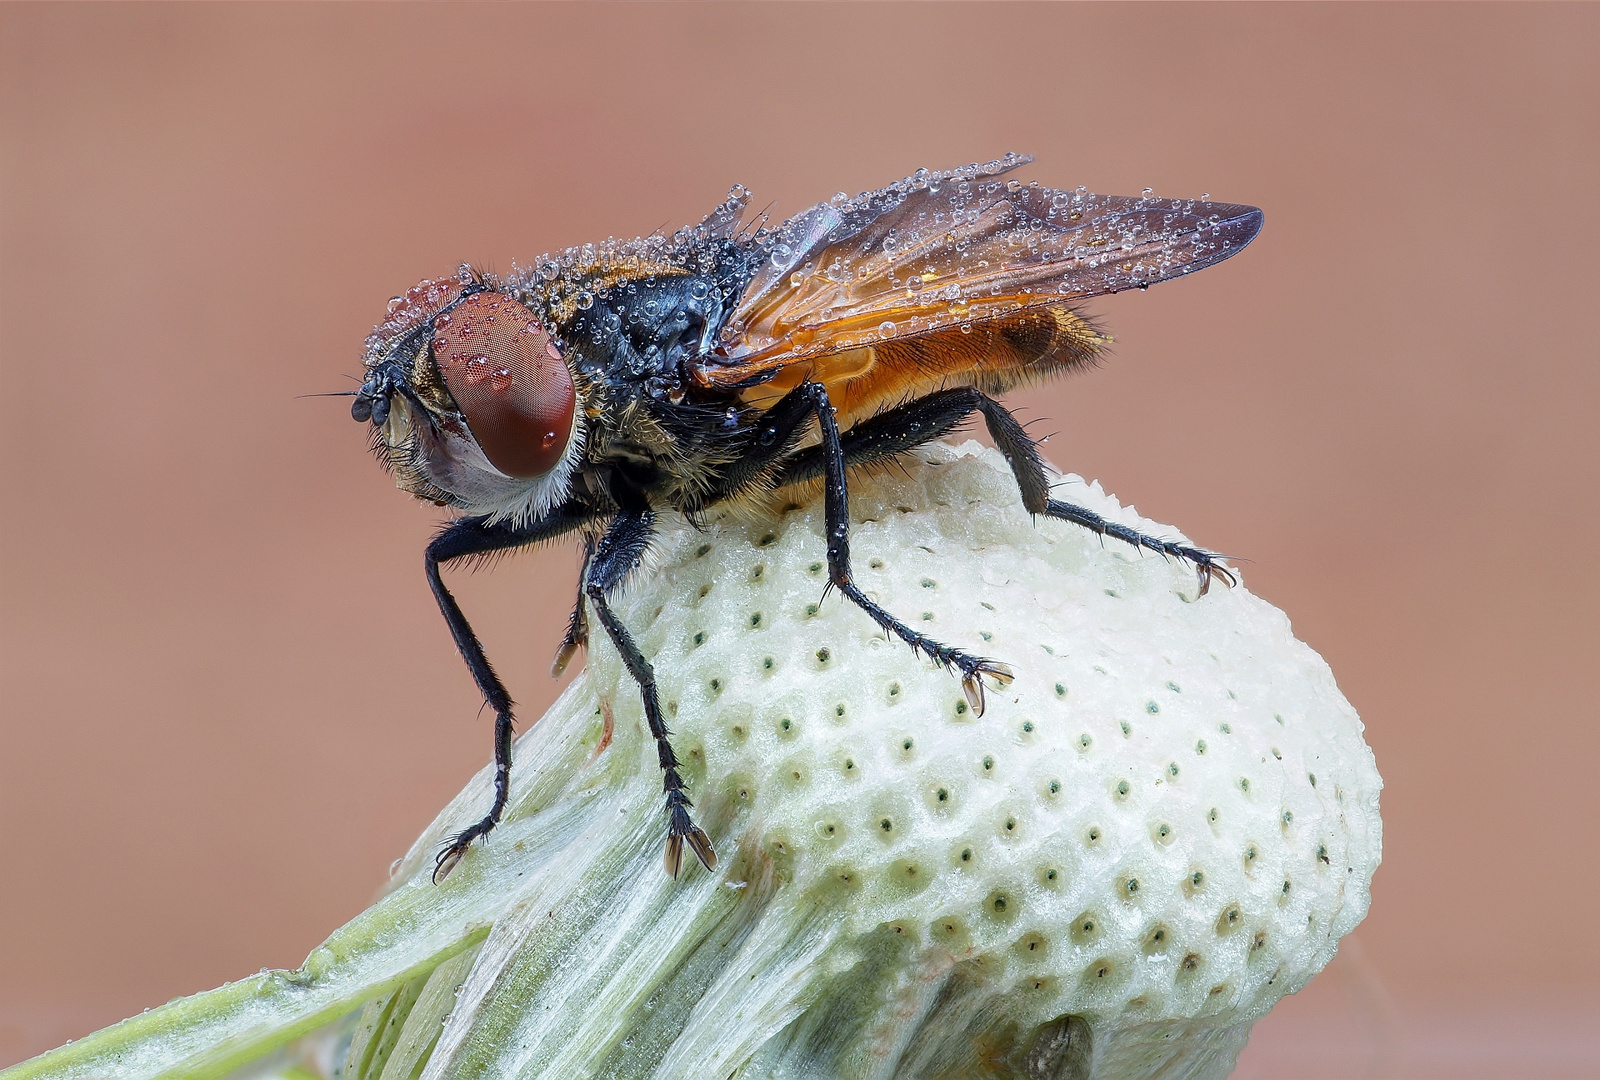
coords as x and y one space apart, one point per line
972 681
577 637
683 829
1207 567
701 843
453 850
564 655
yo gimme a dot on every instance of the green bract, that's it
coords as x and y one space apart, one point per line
1162 826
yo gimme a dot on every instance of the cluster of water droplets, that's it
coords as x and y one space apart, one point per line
410 310
940 249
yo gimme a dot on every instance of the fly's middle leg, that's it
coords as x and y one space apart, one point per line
836 507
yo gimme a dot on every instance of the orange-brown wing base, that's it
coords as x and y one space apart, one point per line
996 355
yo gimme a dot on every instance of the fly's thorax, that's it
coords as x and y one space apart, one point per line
471 399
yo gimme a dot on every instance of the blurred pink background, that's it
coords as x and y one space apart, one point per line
229 702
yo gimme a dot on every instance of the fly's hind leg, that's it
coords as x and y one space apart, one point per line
1023 455
615 557
910 425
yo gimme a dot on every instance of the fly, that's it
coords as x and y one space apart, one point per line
611 382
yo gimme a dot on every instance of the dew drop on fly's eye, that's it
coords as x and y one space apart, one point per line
549 440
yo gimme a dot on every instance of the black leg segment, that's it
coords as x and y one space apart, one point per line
466 539
836 506
908 426
615 557
577 636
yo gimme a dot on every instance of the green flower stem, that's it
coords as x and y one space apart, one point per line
404 936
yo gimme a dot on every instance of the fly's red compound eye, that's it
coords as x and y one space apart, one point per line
509 381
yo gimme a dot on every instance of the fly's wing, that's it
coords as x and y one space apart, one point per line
943 250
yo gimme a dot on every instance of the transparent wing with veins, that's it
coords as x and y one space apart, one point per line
940 250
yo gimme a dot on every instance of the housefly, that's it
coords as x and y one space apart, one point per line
604 385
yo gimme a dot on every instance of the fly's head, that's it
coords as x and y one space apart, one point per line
470 401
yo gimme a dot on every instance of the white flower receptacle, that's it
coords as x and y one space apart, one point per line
1164 824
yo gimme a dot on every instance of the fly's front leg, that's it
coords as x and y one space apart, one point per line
836 507
615 557
466 539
